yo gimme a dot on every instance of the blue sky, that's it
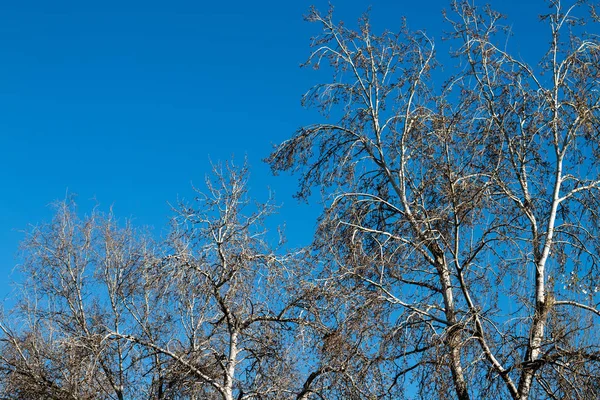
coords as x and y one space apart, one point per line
127 102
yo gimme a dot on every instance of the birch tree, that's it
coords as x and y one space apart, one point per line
463 213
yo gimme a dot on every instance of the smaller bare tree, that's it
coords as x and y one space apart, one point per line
55 346
227 293
105 313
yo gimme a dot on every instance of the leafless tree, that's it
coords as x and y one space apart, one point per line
227 293
462 216
105 313
53 344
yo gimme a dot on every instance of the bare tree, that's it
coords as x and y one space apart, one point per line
55 345
106 313
464 215
228 296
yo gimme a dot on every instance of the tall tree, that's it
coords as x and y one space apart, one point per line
464 214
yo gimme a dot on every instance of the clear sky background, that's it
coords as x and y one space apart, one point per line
126 102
